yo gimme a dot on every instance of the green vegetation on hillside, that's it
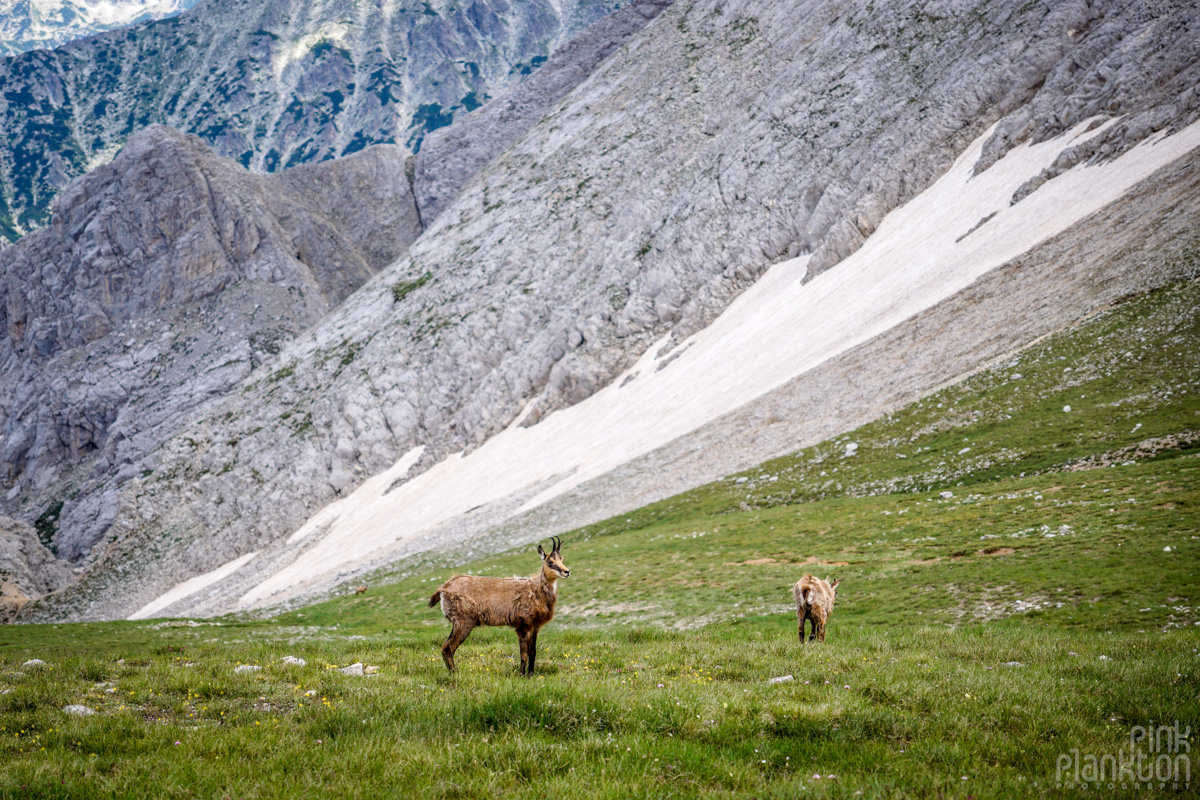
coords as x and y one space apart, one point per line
1020 581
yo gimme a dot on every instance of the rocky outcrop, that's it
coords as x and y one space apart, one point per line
725 136
162 280
27 569
451 156
270 83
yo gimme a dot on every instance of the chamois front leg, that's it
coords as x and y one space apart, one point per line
820 628
800 617
458 634
533 651
523 637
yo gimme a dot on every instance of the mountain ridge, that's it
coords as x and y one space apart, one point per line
270 83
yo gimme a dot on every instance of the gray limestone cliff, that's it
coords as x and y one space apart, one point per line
163 278
450 157
28 569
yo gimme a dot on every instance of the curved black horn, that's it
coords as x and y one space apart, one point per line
557 543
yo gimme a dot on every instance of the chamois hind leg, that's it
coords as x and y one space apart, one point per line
458 634
523 637
800 618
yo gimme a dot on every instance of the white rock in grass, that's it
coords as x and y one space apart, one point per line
79 711
1012 664
946 495
353 669
1167 549
34 663
244 668
1104 658
299 662
311 693
782 679
1067 409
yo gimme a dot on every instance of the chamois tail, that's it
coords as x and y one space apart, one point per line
435 599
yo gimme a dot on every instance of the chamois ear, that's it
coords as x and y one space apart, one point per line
541 552
834 584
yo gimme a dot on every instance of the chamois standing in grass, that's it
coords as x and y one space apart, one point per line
525 604
814 602
360 589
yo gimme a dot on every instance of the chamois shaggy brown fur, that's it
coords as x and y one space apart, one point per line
814 602
525 604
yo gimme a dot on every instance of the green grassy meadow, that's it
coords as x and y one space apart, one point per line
1008 597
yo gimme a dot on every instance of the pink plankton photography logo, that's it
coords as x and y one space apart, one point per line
1158 756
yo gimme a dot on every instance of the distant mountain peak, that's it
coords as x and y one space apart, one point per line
45 24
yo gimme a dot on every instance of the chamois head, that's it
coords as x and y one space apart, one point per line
552 562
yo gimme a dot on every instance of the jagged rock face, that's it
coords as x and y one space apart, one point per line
163 278
270 83
450 157
27 569
726 135
45 24
166 224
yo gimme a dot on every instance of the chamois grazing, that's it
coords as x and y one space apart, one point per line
814 602
525 604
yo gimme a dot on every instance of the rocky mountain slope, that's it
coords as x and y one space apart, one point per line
45 24
166 225
451 156
723 138
163 279
27 569
269 83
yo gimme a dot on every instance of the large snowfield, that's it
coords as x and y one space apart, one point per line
780 328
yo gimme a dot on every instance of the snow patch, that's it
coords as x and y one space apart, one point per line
191 586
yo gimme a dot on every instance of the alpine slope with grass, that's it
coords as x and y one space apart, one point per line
1018 560
751 227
